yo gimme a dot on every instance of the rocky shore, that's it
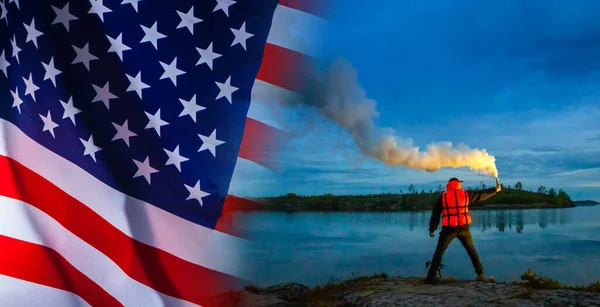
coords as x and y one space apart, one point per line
399 291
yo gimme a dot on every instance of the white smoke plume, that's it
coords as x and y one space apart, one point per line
337 95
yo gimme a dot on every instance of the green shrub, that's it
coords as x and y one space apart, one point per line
539 282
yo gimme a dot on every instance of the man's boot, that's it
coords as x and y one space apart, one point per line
431 279
480 277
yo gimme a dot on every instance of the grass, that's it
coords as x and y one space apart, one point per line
252 289
325 295
538 282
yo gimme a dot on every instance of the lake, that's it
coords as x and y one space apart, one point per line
313 247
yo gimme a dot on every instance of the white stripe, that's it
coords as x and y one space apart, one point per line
27 223
250 177
158 228
18 292
296 30
273 105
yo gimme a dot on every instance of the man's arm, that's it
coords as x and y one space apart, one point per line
479 196
436 213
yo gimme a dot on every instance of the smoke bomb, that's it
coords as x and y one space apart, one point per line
337 95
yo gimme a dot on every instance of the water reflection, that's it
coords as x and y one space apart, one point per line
311 247
500 220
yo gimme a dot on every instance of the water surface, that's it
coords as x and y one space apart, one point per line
311 248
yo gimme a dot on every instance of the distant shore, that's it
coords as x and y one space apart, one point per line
370 207
508 198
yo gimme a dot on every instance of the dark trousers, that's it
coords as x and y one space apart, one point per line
463 233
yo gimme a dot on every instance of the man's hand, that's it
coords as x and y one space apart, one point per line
498 188
431 234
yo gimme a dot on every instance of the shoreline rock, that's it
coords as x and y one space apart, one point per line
402 291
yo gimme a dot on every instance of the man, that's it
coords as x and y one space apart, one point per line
454 205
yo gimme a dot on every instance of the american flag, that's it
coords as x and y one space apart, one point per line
123 126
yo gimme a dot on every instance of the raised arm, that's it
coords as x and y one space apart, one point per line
436 213
479 196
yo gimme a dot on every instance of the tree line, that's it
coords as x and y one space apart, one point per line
413 200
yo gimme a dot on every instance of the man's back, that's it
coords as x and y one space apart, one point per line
454 205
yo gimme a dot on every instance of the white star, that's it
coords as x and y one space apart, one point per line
155 122
210 143
117 46
123 133
90 148
152 35
241 36
196 193
171 71
136 84
63 16
188 20
51 71
16 2
226 89
17 101
70 110
175 158
32 33
30 87
133 3
224 6
190 108
4 63
15 48
144 169
207 56
84 56
49 125
98 8
4 14
103 94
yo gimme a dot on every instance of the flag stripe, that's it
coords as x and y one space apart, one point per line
284 67
263 180
157 228
286 61
228 222
261 143
18 292
148 265
272 105
315 7
296 30
25 222
42 265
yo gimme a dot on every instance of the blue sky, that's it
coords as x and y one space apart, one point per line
519 79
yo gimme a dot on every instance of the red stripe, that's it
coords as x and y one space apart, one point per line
285 68
44 266
231 223
316 7
148 265
261 143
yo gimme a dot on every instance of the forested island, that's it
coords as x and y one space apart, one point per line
511 197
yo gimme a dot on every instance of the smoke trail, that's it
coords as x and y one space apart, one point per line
338 96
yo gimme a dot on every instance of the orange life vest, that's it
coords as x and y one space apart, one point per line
455 205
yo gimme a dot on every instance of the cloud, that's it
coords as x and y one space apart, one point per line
550 149
589 185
